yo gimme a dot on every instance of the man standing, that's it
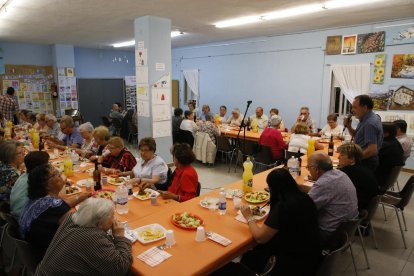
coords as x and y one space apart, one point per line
333 193
402 137
305 118
8 104
260 118
368 134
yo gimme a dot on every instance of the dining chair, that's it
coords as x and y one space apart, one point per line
392 178
187 137
224 146
398 201
116 126
263 159
333 258
366 224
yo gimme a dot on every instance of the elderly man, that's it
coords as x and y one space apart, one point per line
333 193
402 137
72 137
272 137
116 112
304 117
53 127
368 134
8 104
260 118
235 119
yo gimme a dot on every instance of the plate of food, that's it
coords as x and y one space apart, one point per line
209 202
57 163
150 233
187 221
258 213
104 193
230 193
84 182
257 197
145 194
324 140
71 190
116 180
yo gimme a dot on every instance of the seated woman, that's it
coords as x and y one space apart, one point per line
41 125
185 181
299 140
188 122
11 159
235 119
119 157
86 131
332 128
272 137
150 168
101 136
350 156
85 247
208 127
45 211
275 111
290 232
31 119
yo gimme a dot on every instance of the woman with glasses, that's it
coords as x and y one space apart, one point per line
150 169
46 210
118 158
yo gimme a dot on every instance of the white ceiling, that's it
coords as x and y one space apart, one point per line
100 23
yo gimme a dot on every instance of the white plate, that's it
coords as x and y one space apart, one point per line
241 218
78 190
152 227
82 183
208 201
147 196
116 184
230 193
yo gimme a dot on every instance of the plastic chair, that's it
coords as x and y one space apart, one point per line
333 257
224 146
366 223
198 188
264 159
398 201
270 265
187 137
116 125
392 178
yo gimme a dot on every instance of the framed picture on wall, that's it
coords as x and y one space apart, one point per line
69 72
349 44
333 45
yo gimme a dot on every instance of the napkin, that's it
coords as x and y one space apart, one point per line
218 238
154 256
130 235
240 218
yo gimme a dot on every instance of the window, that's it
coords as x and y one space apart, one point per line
339 104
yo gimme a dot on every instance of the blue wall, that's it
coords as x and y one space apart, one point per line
27 54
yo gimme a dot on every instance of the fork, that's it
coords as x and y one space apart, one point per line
162 246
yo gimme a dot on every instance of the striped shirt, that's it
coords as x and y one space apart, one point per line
77 250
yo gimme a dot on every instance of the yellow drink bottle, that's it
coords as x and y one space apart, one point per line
247 176
255 126
311 147
68 167
8 130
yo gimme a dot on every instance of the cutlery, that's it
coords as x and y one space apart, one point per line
162 246
261 207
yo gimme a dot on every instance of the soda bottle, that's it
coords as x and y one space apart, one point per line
331 147
255 125
97 178
247 176
122 200
311 147
222 203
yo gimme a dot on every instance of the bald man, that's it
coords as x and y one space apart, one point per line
261 118
333 193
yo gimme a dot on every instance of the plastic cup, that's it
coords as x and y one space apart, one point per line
153 199
200 234
236 202
169 238
104 180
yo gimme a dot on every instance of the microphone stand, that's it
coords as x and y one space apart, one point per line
242 125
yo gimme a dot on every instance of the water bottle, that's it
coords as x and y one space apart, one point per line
292 166
129 187
222 203
122 200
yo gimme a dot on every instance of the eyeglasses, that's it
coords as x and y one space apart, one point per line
310 166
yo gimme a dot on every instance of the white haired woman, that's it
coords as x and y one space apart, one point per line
81 245
235 119
86 131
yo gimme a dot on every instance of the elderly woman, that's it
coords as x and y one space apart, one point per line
185 181
119 157
235 119
101 136
290 232
53 127
41 123
188 122
150 168
271 137
299 140
45 211
275 111
11 159
332 128
366 186
86 131
208 127
82 246
206 115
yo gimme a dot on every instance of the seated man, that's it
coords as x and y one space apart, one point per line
402 137
235 119
305 118
334 195
260 118
72 137
115 113
223 117
53 127
206 114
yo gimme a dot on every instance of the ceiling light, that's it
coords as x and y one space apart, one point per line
335 4
176 33
238 21
4 4
132 42
306 9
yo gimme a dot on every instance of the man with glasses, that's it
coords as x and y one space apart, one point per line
333 193
72 137
53 127
305 118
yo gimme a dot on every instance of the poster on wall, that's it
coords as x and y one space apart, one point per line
130 92
371 42
402 97
161 129
400 35
141 57
379 69
403 66
381 99
349 44
333 45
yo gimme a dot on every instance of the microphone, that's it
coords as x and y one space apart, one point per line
347 118
249 102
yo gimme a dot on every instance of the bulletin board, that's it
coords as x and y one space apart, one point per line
68 92
31 84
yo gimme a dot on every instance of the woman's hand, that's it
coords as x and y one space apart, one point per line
246 212
168 195
118 229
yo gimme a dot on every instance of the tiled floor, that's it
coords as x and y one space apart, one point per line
389 259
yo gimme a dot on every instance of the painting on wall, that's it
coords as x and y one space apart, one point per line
403 66
400 35
402 97
333 45
379 69
371 42
349 44
381 99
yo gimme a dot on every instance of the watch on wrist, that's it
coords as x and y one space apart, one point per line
250 220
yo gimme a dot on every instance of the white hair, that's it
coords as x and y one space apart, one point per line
51 117
86 127
236 110
93 211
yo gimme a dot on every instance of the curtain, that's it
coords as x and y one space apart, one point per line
353 79
191 76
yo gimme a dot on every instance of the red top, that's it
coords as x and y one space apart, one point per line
184 183
272 137
124 162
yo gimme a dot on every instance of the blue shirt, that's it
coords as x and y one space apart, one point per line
73 138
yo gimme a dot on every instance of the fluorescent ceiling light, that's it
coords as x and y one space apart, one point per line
238 21
335 4
306 9
4 4
395 25
132 42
